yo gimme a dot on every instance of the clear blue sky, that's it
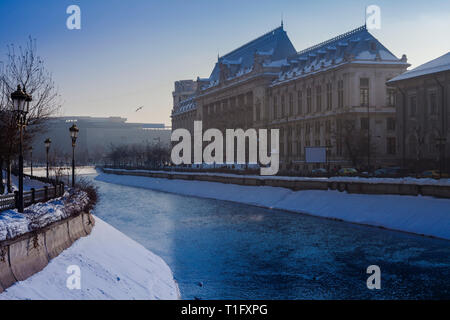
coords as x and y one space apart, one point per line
128 53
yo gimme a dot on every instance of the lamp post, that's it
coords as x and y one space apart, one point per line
73 134
47 143
21 105
31 159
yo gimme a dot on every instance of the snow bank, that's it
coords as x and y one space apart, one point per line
421 215
405 180
112 267
39 215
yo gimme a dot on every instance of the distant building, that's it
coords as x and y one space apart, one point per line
95 137
333 94
423 114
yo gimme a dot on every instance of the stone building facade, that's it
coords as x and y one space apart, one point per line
423 115
333 94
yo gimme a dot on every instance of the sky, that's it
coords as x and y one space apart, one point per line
129 53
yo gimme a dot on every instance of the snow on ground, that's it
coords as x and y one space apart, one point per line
27 183
42 171
421 215
406 180
112 267
39 215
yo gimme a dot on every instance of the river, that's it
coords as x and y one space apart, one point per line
224 250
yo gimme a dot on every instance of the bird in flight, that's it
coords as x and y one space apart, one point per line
140 108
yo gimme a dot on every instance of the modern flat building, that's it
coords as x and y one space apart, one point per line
333 94
423 115
95 137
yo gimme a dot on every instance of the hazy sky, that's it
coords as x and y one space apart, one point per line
128 53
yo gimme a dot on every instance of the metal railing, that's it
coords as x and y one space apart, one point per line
10 201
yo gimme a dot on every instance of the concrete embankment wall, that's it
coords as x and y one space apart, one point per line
409 189
29 253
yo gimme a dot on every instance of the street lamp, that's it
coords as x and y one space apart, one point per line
47 143
21 105
73 134
31 159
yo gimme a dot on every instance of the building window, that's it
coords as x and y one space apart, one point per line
291 104
364 92
318 98
307 128
390 97
412 145
274 111
412 106
328 126
282 106
433 103
308 100
364 123
329 96
258 113
391 124
299 103
299 148
340 93
317 143
391 145
317 127
432 144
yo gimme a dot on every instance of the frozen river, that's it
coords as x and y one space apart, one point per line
224 250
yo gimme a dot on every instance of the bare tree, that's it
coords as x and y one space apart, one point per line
24 67
354 141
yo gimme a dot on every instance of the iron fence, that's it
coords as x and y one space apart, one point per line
10 201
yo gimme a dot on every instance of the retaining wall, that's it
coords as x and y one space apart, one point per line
29 253
440 191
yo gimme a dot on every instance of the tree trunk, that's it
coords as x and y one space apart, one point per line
2 185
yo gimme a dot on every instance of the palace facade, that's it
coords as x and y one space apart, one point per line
332 95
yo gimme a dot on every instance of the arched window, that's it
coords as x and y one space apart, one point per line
412 146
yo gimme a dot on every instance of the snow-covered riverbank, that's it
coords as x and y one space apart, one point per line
421 215
112 266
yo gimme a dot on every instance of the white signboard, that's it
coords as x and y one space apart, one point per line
316 154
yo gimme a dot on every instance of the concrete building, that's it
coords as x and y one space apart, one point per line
333 94
423 115
95 137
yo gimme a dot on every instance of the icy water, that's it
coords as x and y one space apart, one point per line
223 250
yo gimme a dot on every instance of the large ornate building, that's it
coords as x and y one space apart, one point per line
333 95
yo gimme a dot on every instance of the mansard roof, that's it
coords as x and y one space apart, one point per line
355 46
185 105
274 45
436 65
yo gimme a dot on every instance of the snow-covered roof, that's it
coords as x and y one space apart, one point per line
437 65
274 45
356 46
185 106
